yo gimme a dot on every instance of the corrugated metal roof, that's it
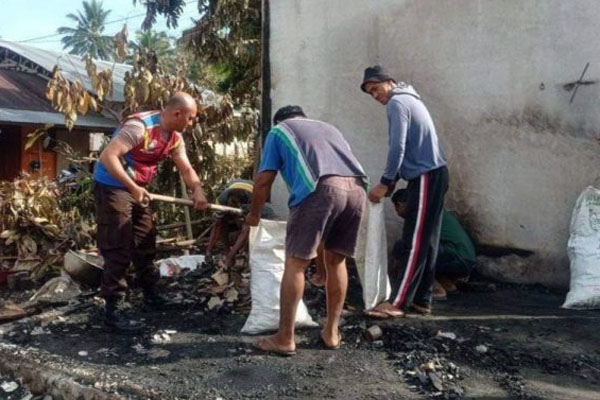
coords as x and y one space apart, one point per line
22 100
73 67
22 91
42 117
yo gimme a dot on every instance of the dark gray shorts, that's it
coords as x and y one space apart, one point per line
331 214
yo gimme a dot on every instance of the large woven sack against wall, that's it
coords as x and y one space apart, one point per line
267 257
584 252
372 256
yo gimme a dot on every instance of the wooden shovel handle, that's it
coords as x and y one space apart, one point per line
189 203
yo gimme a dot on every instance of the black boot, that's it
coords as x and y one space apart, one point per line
117 321
156 300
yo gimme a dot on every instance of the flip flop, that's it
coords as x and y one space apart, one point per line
266 345
384 314
326 346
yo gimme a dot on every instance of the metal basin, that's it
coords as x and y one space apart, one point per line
85 269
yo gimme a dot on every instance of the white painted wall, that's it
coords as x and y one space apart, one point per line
491 73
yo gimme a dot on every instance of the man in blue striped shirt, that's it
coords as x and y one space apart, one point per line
327 198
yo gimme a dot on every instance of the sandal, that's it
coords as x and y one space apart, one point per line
267 345
389 312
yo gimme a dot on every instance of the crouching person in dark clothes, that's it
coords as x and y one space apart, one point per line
415 155
126 232
237 194
456 255
327 198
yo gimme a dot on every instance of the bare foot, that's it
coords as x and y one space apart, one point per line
448 284
439 293
424 310
331 342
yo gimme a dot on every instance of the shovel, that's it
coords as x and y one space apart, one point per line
189 203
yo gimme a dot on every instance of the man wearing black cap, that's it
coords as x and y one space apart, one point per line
415 155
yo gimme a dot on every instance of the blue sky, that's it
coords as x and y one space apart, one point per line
27 19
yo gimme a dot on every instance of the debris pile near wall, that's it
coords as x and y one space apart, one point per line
214 286
34 230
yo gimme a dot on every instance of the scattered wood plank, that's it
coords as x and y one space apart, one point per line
11 312
45 317
179 225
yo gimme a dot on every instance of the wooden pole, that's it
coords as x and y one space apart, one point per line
186 211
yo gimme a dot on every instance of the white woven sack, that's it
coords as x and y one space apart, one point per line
267 257
372 256
584 252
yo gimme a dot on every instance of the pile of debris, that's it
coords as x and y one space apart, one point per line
191 281
438 376
209 284
12 389
57 297
429 359
34 230
423 366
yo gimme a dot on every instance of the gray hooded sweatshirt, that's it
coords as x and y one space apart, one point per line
414 147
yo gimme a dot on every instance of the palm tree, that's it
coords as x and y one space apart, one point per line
158 44
87 37
150 40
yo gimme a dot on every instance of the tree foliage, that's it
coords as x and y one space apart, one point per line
171 9
226 36
149 87
159 70
88 38
72 99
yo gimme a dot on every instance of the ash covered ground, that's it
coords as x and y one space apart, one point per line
513 343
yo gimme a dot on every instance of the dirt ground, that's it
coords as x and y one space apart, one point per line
514 343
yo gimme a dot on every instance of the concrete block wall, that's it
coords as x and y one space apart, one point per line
492 74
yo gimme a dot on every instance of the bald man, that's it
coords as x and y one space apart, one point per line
126 232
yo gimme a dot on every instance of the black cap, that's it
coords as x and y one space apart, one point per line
375 74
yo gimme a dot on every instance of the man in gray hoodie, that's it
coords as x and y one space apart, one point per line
415 155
